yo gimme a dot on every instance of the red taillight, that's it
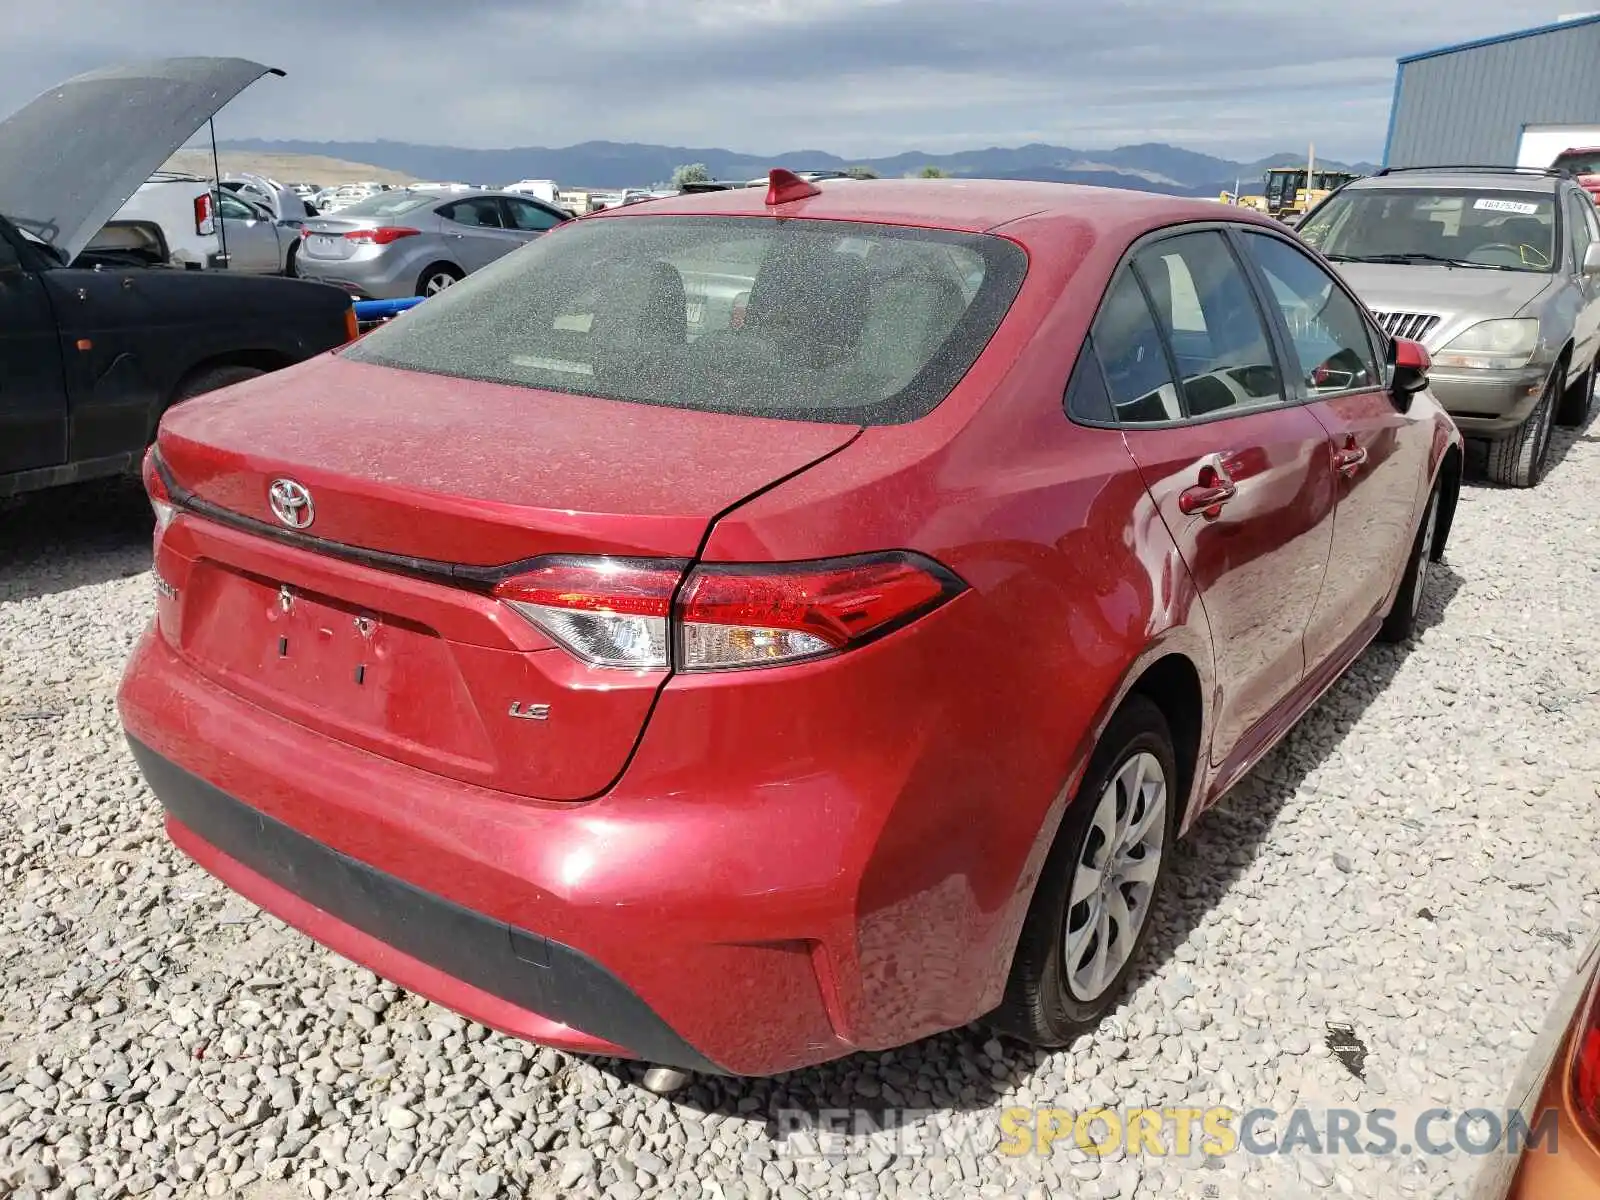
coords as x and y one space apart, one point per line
745 616
621 613
156 488
608 611
203 223
383 235
1586 1064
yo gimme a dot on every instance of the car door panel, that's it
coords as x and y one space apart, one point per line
252 246
1259 557
105 322
251 238
1379 456
1241 478
33 398
1380 465
473 235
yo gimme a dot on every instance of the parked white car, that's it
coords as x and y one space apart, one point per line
540 189
182 208
191 219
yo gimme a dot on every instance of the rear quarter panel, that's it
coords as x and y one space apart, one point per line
1076 587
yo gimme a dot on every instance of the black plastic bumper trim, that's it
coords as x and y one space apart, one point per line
520 967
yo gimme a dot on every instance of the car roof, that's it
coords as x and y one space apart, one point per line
967 205
1475 180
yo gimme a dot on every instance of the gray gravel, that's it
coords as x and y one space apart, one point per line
1418 862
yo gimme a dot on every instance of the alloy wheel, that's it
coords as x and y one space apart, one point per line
1114 881
1430 524
437 283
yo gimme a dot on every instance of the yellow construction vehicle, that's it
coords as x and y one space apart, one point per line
1259 203
1289 197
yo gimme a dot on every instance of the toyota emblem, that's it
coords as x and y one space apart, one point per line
291 503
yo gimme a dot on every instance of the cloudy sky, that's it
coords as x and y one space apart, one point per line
857 77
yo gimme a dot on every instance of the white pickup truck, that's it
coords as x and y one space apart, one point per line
186 220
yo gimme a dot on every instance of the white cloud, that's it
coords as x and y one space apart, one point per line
858 77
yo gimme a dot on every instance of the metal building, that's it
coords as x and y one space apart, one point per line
1514 100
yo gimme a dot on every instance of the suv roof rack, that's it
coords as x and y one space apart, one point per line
1545 172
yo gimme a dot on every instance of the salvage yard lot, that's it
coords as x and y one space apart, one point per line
1420 860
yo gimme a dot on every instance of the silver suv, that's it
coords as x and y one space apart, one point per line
1497 272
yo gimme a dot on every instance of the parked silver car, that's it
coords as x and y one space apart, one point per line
258 243
416 243
1497 272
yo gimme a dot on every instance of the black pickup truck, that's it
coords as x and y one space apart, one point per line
94 347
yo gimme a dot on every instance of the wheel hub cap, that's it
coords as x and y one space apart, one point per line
1114 880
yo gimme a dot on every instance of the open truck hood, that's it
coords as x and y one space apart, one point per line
72 156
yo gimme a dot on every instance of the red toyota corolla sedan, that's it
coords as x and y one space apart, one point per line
746 628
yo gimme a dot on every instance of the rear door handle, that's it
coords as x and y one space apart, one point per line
1213 490
1349 460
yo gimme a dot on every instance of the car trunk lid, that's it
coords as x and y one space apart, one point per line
374 622
325 237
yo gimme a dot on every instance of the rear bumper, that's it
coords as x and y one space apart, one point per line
505 977
391 277
724 907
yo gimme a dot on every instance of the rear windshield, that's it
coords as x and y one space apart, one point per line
387 204
806 320
1504 230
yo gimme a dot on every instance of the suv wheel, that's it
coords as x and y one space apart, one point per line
1573 410
1518 460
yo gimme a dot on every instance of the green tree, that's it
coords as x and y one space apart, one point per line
932 172
690 173
861 172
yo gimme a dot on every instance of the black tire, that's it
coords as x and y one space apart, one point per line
210 379
198 383
432 280
1519 459
1040 1005
1573 410
291 267
1401 621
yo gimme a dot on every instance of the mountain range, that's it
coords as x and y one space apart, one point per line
1151 167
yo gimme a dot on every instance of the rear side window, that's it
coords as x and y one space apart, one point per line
482 211
806 320
1208 312
1129 348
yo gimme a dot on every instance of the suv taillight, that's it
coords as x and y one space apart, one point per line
632 613
383 235
156 488
203 223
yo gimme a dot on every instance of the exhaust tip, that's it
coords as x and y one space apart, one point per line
663 1081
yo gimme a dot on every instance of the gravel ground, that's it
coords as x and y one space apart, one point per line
1419 861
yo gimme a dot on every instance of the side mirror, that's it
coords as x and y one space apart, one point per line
1591 259
1411 365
